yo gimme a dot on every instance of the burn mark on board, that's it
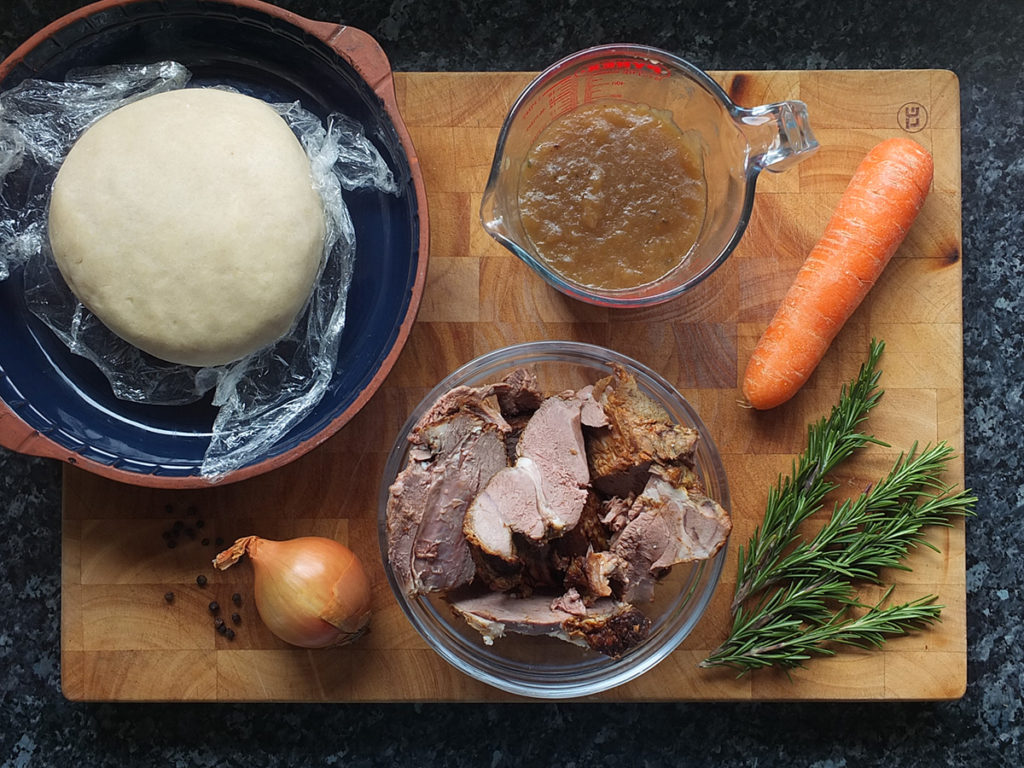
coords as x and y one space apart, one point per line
737 87
948 255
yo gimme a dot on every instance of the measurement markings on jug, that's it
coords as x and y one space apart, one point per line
562 97
630 66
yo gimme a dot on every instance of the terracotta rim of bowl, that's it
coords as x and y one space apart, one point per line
368 59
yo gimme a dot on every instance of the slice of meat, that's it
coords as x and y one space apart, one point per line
552 448
544 493
521 393
472 400
639 433
507 504
591 413
607 626
457 447
495 613
670 525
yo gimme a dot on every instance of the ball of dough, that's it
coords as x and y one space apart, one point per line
188 223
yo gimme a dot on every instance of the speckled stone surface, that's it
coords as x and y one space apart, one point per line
983 43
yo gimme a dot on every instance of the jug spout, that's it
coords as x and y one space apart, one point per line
779 135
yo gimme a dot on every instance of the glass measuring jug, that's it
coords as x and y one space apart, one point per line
735 144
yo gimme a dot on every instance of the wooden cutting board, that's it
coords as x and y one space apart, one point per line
120 640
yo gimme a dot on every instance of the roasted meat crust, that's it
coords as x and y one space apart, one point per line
639 434
612 636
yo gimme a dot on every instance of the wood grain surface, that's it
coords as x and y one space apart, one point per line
120 639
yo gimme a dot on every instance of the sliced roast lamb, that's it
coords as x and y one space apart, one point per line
563 511
552 446
507 504
669 525
543 494
608 626
457 447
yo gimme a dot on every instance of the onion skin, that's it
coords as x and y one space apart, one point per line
311 592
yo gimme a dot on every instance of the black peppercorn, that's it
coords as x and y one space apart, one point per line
169 597
236 618
218 623
236 599
205 542
222 628
230 633
214 606
201 580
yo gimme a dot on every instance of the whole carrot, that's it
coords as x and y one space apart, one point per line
869 223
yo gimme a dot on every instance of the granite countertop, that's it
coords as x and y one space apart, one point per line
983 43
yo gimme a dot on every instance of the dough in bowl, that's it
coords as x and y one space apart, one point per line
188 223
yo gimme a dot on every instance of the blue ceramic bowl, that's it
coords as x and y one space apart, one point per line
56 404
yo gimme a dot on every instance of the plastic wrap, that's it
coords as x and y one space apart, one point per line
260 397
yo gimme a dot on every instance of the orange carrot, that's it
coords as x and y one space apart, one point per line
868 225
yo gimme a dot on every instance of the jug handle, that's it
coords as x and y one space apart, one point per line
779 135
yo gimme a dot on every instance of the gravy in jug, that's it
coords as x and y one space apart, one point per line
613 195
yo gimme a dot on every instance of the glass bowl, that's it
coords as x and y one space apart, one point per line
544 667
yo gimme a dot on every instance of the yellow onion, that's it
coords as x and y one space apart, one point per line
312 592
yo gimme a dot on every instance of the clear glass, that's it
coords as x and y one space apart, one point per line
544 667
737 144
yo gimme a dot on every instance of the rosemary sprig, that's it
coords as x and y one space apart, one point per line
795 498
781 638
876 529
796 597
